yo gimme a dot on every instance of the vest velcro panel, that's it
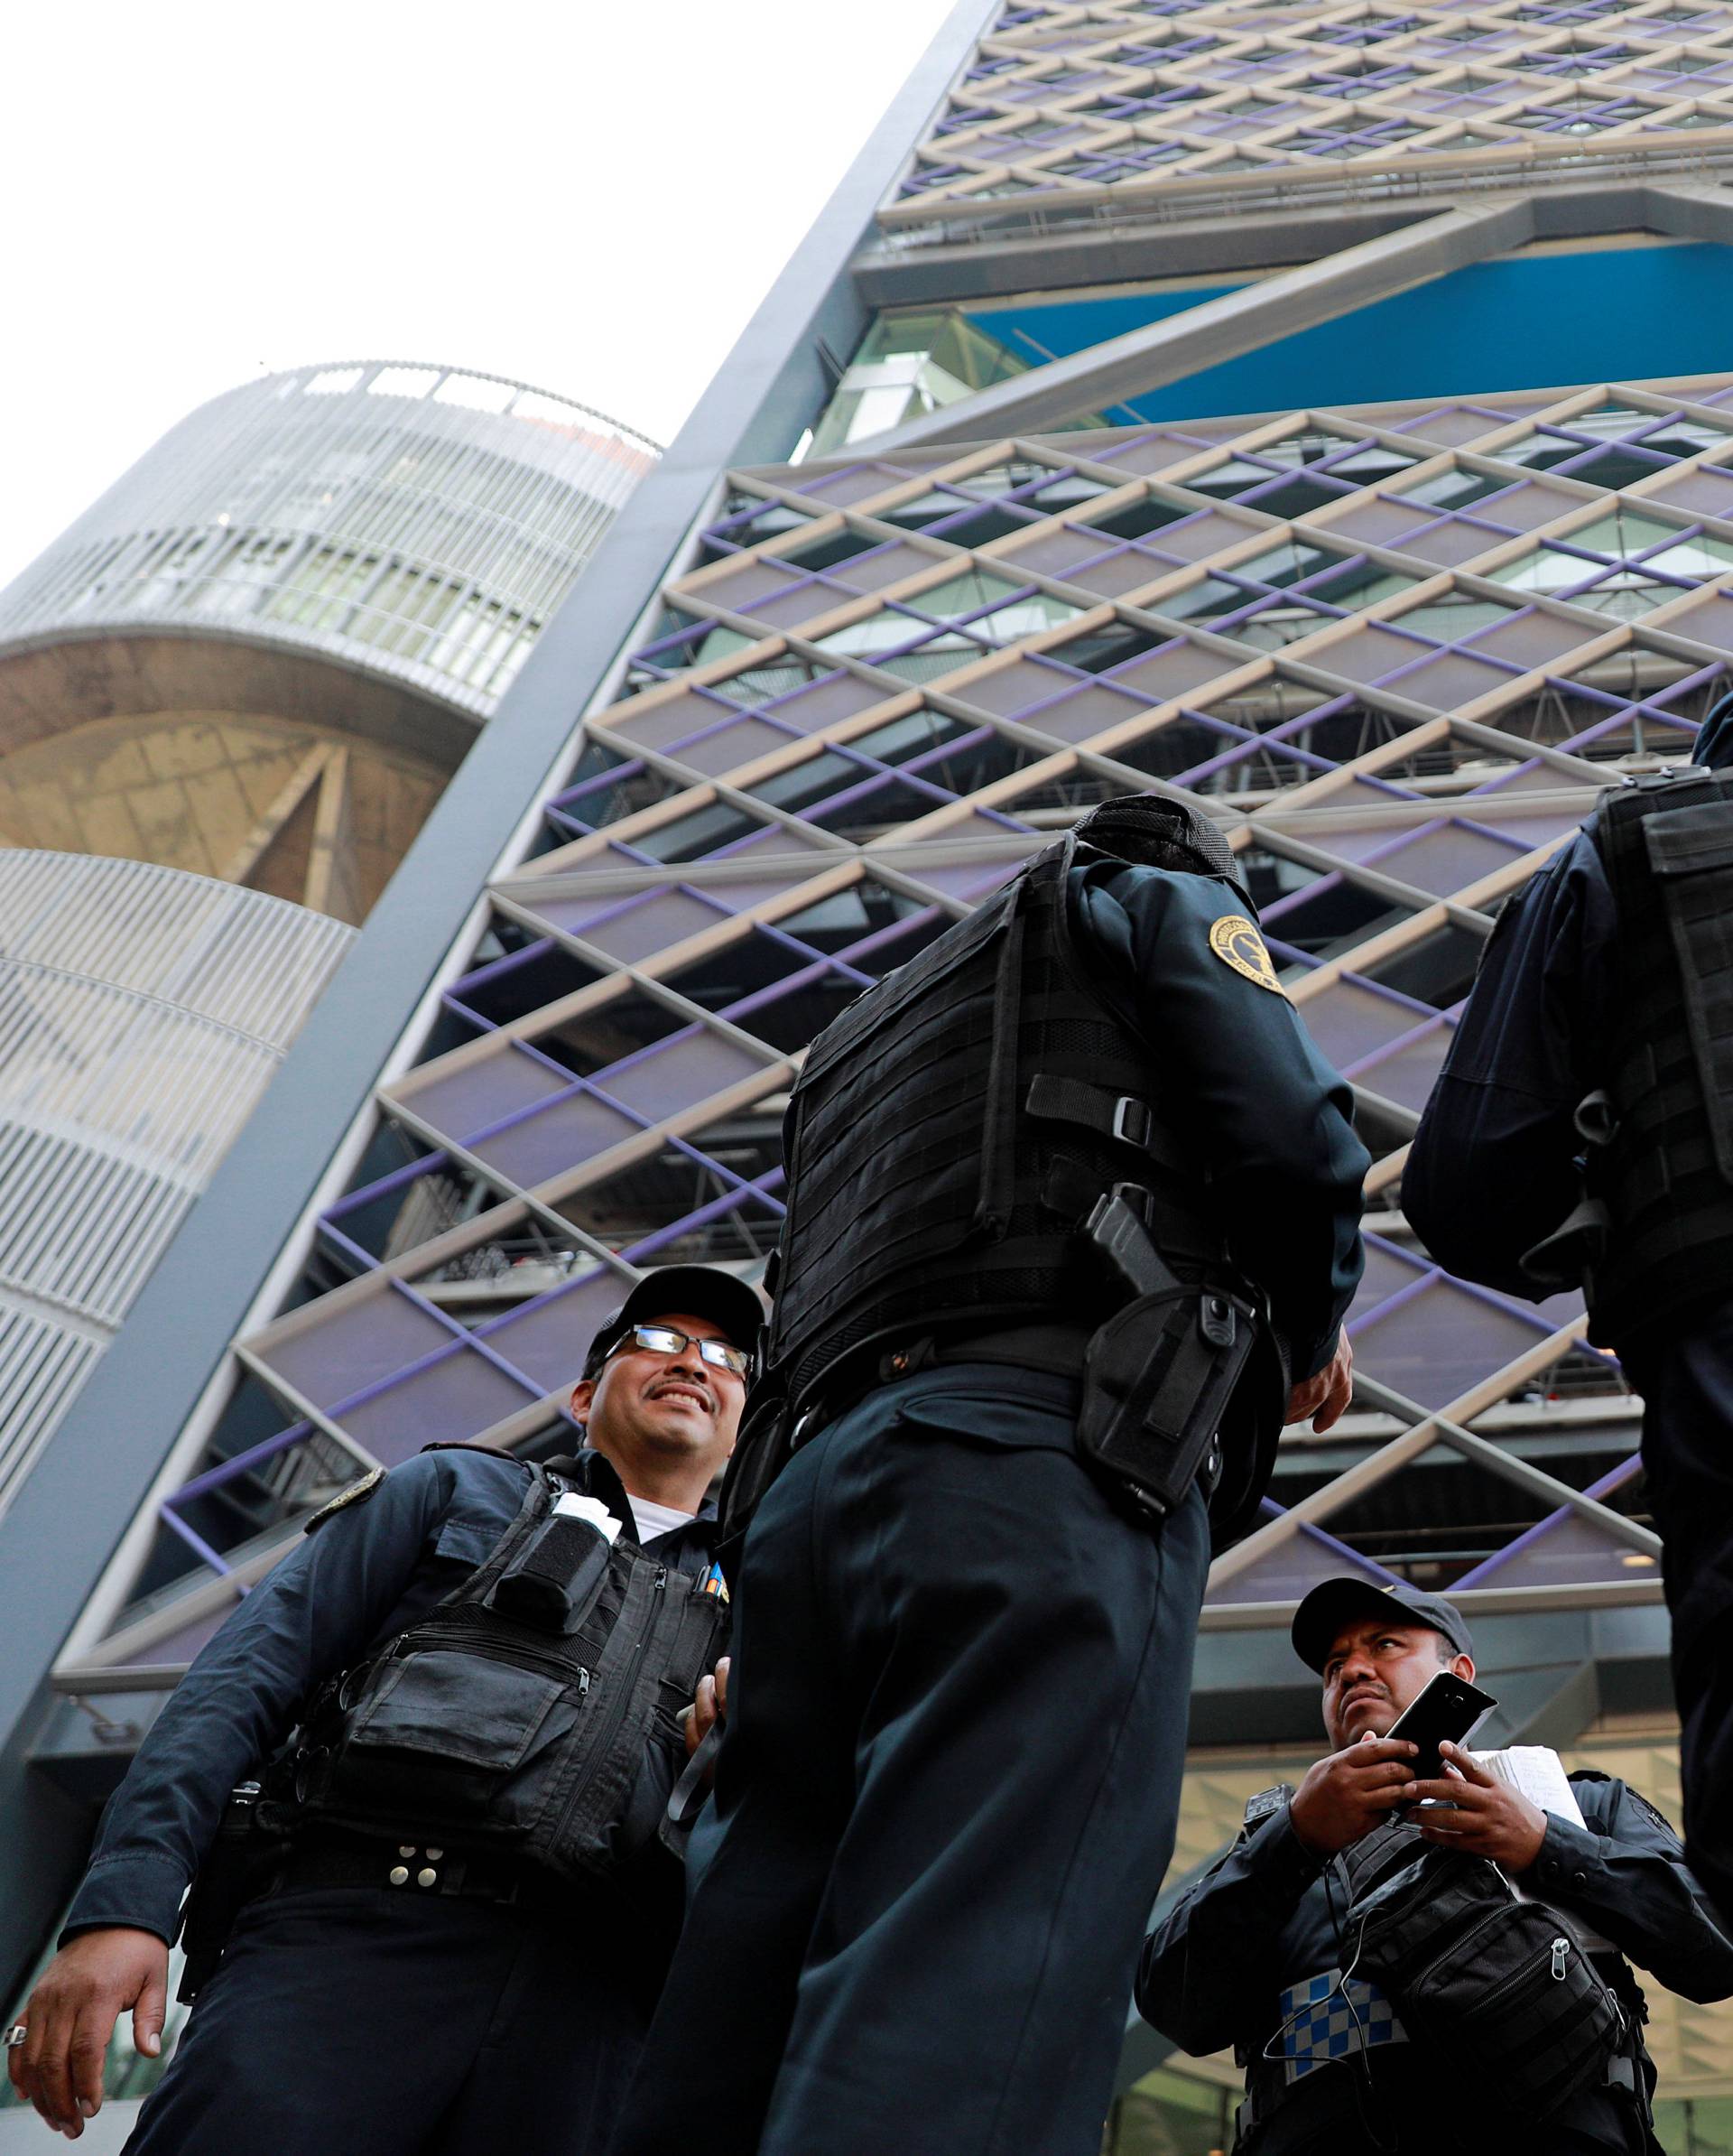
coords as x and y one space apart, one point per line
922 1191
1666 1179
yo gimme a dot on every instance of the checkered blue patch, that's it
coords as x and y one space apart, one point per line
1325 2018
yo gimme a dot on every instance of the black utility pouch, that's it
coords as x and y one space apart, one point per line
1483 1977
1157 1379
553 1580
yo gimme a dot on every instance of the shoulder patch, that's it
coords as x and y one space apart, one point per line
1266 1803
356 1493
1236 942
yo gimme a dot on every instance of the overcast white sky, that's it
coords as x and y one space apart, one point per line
591 196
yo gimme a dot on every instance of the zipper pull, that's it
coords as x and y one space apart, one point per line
1560 1947
583 1681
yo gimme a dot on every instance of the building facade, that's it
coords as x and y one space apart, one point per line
262 653
1319 411
230 694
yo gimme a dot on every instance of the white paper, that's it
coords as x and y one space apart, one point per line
1537 1773
591 1510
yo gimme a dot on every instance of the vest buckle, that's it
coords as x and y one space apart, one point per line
1133 1121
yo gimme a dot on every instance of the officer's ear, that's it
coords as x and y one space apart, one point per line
582 1393
1463 1667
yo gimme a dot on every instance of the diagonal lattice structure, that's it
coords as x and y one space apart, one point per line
1070 111
1396 652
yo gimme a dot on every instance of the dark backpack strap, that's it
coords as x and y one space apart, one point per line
999 1125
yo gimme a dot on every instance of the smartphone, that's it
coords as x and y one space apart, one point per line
1445 1712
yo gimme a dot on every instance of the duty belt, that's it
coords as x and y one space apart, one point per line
418 1870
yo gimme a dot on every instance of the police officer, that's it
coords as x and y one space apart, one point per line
1064 1192
1253 1954
1581 1133
391 1990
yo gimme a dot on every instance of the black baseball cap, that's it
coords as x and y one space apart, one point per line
691 1290
1333 1603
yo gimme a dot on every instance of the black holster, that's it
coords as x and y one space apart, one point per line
240 1863
1157 1379
1159 1375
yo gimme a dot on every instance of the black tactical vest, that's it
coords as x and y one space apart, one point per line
532 1712
951 1133
1665 1175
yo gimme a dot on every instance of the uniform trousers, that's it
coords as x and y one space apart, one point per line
945 1798
359 2019
1687 1386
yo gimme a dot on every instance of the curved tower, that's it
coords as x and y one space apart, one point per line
262 653
254 662
142 1012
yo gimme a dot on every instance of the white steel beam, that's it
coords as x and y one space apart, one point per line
1244 320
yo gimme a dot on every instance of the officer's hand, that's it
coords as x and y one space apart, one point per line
1347 1794
1490 1819
709 1707
1325 1397
71 2016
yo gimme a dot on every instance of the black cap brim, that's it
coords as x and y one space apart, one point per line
684 1291
1332 1603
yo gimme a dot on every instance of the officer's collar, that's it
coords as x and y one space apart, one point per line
602 1480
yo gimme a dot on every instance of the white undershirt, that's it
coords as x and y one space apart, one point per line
652 1518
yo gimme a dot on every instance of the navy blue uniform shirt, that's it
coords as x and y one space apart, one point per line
1271 1120
1261 1919
370 1571
1493 1170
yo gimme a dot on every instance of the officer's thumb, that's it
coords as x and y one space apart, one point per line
149 2011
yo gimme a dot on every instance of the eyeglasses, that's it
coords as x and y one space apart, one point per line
663 1340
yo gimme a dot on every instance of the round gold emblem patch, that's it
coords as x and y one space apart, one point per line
1236 943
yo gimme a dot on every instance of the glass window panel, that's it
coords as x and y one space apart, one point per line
681 1178
356 1346
792 1020
1708 618
1441 1344
453 1401
702 832
1544 569
548 1340
554 1140
595 806
1136 520
1454 489
865 909
523 981
875 805
1453 617
459 1097
595 1039
740 968
797 786
1321 913
1700 556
